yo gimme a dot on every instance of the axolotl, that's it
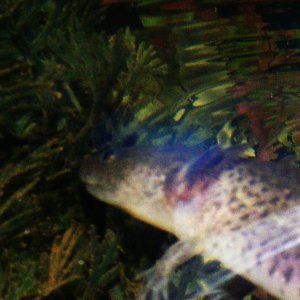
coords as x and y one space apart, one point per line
243 212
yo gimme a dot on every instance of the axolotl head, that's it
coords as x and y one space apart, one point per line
147 182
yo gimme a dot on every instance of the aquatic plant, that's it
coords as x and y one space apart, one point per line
61 77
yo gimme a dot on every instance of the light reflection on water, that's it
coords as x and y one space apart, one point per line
224 53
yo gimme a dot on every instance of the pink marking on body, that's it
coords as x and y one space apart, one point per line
179 190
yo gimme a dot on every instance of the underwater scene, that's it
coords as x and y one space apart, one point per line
149 150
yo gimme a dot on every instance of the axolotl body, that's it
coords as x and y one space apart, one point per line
242 212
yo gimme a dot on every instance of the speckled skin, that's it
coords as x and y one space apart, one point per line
242 212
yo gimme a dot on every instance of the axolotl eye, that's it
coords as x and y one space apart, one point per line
109 155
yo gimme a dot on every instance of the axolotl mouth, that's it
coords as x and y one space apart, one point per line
100 178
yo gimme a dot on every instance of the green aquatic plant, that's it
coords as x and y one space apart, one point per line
60 78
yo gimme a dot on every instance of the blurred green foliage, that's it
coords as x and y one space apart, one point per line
61 76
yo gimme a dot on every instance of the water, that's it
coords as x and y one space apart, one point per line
233 78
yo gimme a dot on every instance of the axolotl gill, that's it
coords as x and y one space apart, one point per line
243 212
